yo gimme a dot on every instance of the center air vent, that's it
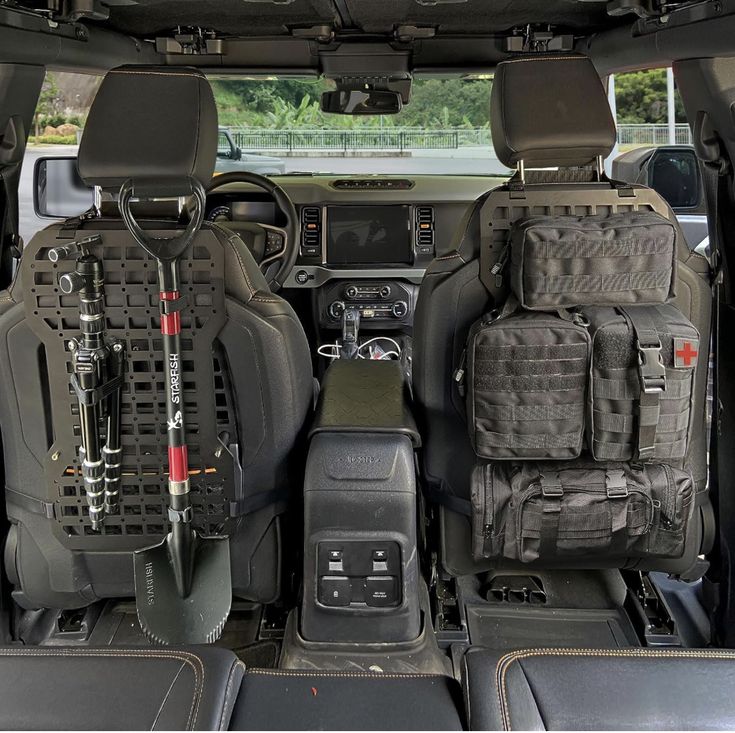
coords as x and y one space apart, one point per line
311 231
373 184
425 229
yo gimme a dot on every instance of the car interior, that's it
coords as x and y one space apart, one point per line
346 451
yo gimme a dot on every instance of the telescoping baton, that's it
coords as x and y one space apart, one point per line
97 368
183 585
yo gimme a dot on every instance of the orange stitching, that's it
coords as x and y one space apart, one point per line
506 661
184 657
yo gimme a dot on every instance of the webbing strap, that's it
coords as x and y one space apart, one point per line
525 352
553 493
615 422
607 451
589 248
618 389
540 440
652 375
571 382
531 413
608 283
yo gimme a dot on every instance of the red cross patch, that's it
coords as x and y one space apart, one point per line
686 352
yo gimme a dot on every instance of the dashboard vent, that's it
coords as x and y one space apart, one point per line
425 228
311 230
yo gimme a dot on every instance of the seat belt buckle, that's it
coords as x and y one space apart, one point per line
651 369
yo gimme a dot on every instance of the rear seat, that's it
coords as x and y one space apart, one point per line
273 699
52 688
600 689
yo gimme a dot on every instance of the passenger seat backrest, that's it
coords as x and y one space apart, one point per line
575 130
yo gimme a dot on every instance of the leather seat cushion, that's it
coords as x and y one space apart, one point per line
600 689
272 699
53 688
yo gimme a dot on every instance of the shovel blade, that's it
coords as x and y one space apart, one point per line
164 615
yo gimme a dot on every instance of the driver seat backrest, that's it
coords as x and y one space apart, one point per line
453 295
248 380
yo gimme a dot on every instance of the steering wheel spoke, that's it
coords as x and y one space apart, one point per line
276 244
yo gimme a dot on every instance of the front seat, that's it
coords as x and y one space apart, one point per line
248 383
567 144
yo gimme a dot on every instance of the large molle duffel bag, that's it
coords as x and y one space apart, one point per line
568 261
527 384
642 377
554 512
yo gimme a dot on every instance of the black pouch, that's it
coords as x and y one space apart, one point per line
537 512
643 365
569 261
527 380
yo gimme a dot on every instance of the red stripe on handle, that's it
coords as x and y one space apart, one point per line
170 322
178 463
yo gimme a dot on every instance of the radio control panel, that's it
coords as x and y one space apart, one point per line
381 303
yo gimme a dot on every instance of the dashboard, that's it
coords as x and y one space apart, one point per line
365 242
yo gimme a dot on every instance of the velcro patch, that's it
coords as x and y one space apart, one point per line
686 353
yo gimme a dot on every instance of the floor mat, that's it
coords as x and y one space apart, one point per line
262 654
574 609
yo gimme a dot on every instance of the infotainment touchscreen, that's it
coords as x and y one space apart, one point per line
368 235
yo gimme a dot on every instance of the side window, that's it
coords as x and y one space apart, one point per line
61 112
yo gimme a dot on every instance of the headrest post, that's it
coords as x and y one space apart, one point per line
521 168
600 164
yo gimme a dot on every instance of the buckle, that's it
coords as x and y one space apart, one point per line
651 369
551 489
615 484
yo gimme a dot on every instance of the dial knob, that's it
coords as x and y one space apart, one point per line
336 309
400 309
385 292
351 292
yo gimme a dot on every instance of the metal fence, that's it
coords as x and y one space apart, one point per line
653 135
406 139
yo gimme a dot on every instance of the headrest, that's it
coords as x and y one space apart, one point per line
550 111
150 122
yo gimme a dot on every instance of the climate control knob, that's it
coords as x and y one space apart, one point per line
400 309
336 309
385 292
351 292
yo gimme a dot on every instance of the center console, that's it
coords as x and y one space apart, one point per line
361 575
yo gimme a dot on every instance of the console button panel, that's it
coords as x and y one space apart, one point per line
359 574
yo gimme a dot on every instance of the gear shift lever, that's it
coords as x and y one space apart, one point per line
350 332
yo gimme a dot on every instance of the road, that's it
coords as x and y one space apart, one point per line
471 161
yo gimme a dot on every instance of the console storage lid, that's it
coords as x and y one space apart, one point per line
364 396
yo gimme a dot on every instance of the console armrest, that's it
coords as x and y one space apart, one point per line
363 396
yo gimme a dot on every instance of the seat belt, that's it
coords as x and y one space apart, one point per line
12 144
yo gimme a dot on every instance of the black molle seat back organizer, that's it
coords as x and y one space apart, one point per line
527 375
643 369
617 259
506 206
132 312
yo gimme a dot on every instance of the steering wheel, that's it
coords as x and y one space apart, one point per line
274 248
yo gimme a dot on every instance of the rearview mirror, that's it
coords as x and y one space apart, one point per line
361 102
58 190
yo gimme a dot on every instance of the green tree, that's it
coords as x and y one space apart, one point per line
49 101
641 98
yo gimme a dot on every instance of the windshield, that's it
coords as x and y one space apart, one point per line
276 126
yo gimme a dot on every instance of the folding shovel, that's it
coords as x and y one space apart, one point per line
183 585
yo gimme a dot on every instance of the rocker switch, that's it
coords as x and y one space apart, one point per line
335 561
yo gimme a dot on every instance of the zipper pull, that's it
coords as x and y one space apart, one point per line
499 266
459 373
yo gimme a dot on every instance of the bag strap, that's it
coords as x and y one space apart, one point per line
651 375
